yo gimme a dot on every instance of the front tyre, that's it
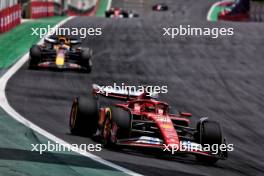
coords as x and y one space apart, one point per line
209 133
122 119
86 61
35 56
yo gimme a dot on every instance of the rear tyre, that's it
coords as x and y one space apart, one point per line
84 116
166 8
107 14
86 62
35 56
209 133
136 15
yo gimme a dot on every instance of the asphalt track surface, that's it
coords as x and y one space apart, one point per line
219 78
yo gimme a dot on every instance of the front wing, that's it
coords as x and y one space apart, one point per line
156 143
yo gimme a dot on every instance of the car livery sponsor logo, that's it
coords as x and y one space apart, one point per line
166 126
149 140
163 119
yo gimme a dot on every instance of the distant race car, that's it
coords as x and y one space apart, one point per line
60 53
143 121
120 13
160 7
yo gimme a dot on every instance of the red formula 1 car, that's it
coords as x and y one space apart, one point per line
160 7
143 121
120 13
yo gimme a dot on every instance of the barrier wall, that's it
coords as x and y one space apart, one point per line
84 8
39 9
10 10
10 17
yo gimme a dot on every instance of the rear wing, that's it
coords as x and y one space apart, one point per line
111 92
54 40
122 93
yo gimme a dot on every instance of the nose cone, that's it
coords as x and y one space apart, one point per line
60 60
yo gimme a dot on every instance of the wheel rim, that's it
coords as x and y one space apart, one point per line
73 115
106 132
113 132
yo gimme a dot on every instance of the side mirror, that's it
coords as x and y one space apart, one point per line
50 40
185 114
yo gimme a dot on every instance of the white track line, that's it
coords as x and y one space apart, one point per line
213 6
6 106
109 4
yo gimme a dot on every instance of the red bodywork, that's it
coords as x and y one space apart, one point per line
150 110
162 119
116 12
227 16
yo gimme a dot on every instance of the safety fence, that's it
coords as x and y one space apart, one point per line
11 11
10 17
40 9
81 7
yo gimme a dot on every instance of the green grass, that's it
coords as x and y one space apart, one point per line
16 43
102 8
